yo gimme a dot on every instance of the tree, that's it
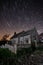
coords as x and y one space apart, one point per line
4 39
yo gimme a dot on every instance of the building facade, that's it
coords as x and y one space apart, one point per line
25 39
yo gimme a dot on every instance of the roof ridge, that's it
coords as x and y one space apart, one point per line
23 33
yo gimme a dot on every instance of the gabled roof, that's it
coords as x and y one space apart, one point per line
23 33
41 36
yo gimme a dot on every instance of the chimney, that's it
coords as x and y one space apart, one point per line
14 33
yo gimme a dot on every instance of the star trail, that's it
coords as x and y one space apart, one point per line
18 15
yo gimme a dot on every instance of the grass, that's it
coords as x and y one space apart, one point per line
24 51
40 48
9 58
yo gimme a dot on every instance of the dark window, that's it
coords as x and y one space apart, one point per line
26 41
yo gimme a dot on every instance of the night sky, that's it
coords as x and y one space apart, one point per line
18 15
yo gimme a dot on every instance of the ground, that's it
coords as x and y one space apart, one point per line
23 57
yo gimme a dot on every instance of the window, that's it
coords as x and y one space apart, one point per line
26 41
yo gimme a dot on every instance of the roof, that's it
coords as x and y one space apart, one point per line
23 33
41 36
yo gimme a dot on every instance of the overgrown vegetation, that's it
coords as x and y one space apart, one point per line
22 56
7 57
40 48
24 51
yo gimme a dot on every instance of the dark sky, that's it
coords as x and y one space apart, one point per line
18 15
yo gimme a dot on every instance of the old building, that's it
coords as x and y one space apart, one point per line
25 39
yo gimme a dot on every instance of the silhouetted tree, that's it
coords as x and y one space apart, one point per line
4 39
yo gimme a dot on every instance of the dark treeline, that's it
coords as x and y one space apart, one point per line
4 40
